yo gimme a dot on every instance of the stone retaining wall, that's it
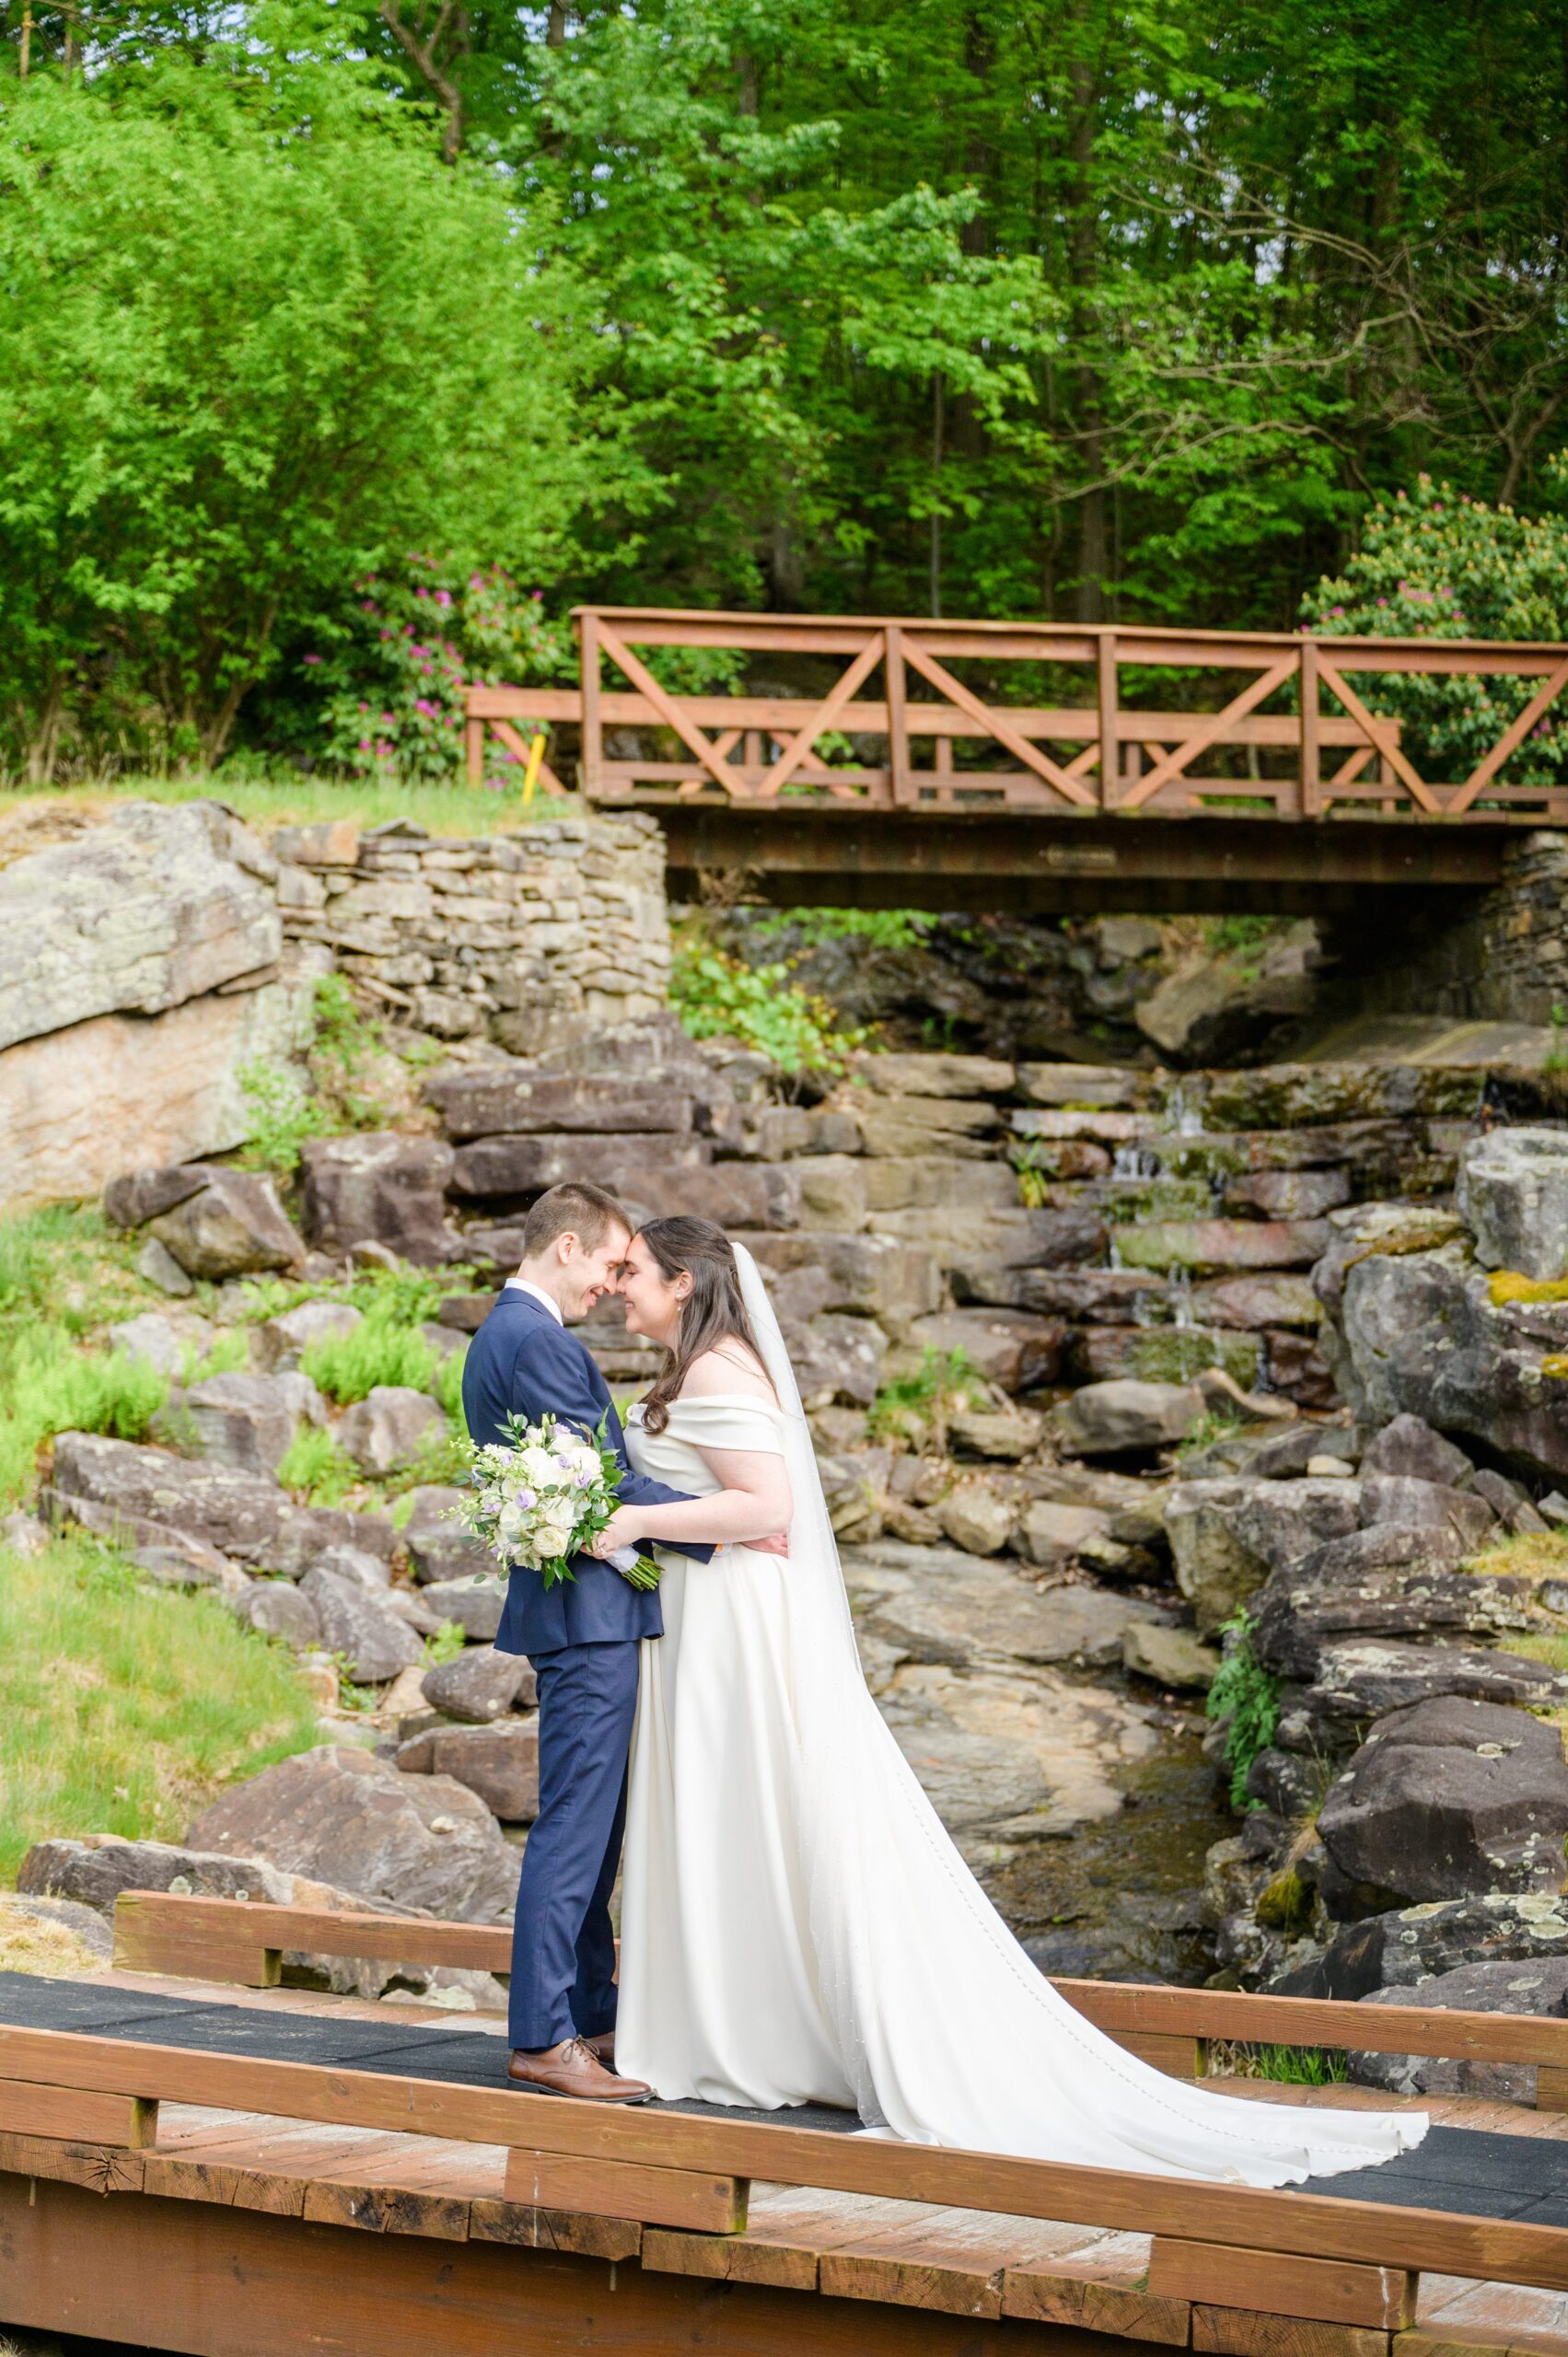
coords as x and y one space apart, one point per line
144 962
530 937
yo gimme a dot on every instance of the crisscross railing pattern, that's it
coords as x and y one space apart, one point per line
1248 725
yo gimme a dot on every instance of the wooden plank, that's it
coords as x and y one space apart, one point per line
77 2115
823 718
528 2226
1313 2225
473 750
1552 2086
947 2260
183 1955
666 707
101 2168
213 2283
1172 765
589 673
1098 2285
897 718
1378 733
654 2196
1232 2332
387 2210
1326 2290
1512 738
1311 732
787 2230
1107 720
1122 2008
997 725
1180 2058
782 715
195 1927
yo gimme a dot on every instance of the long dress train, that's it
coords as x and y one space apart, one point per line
796 1925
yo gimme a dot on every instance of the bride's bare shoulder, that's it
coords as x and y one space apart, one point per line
730 1368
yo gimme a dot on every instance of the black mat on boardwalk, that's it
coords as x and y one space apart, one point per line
1468 2172
402 2049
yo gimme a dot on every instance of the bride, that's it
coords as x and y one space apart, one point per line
796 1927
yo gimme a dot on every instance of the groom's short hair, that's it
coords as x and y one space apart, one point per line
576 1209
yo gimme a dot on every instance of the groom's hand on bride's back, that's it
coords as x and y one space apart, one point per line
777 1545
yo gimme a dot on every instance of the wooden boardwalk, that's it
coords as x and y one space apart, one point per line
191 2165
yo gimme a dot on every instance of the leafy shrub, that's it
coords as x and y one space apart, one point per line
280 1113
394 682
316 1469
127 1706
885 928
51 1387
1436 564
1249 1698
380 1349
714 995
445 1644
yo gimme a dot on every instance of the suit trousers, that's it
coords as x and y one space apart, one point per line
563 1945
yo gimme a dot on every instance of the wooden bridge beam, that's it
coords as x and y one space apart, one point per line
845 858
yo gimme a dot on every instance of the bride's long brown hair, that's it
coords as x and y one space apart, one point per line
712 1311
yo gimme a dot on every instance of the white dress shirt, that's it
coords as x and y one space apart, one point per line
521 1285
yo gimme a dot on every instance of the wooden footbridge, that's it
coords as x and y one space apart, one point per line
879 761
193 2158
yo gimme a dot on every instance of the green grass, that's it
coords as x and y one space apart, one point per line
127 1707
68 1264
289 800
1291 2066
915 1406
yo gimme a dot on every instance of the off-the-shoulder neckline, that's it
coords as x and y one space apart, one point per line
726 1398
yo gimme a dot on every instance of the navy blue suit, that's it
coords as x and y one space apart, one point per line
581 1636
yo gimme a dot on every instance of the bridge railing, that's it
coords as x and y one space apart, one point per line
1303 2254
1252 725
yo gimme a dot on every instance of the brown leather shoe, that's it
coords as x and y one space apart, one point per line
602 2046
572 2070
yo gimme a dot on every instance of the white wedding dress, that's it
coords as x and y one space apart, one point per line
796 1925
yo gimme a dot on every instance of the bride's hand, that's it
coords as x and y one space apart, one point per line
620 1531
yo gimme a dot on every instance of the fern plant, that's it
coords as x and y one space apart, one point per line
1246 1696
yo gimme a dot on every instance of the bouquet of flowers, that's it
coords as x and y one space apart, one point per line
542 1493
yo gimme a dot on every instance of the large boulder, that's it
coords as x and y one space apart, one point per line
359 1626
386 1428
116 1486
438 1548
339 1814
279 1343
1006 1347
1212 1247
480 1685
1447 1798
1125 1418
498 1763
1408 1449
279 1610
379 1187
1230 1005
1228 1535
1413 1329
1537 1985
518 1098
156 906
527 1165
226 1224
1405 1583
1408 1947
837 1360
872 1276
1409 1504
474 1604
1360 1682
1513 1195
247 1421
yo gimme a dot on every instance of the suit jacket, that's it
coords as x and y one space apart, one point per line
521 1362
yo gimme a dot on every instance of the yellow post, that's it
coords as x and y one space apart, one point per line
531 774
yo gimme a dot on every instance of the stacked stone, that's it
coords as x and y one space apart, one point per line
526 938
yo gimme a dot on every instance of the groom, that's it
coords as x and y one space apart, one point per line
581 1636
